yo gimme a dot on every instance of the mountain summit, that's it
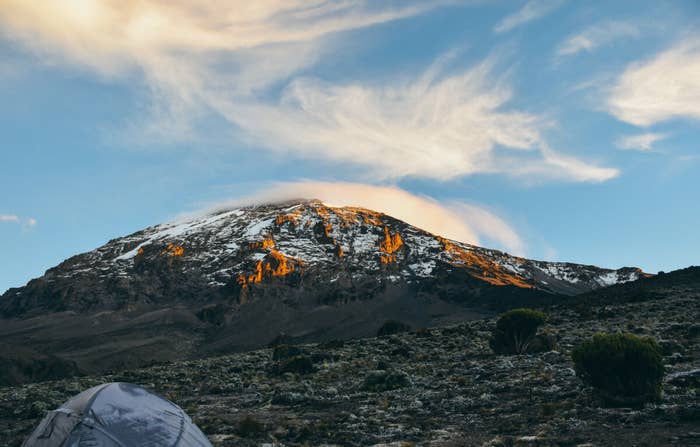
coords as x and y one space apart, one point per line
236 279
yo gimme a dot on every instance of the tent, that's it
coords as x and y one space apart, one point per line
117 415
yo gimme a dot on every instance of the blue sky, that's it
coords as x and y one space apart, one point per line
559 130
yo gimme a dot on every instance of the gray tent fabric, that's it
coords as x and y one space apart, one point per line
117 415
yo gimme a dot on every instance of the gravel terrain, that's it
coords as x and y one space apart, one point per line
439 387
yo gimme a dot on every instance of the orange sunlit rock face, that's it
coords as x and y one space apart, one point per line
278 264
482 267
292 218
387 259
368 217
327 229
391 242
175 250
389 245
266 243
275 264
351 215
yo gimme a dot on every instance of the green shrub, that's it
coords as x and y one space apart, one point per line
542 342
624 370
391 327
213 314
285 351
281 339
300 364
515 330
385 380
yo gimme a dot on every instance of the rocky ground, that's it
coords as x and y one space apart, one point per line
438 387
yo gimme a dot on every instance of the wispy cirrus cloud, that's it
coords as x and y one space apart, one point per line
185 48
29 222
113 35
454 219
530 11
232 59
641 142
436 126
662 88
598 35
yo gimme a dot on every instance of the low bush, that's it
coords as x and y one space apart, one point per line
296 365
515 330
391 327
281 339
543 342
213 314
378 381
623 369
284 352
423 332
332 344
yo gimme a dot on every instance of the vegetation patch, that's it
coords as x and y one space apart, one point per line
385 381
624 369
296 365
515 330
285 351
391 327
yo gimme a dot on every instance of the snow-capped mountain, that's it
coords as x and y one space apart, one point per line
236 279
236 253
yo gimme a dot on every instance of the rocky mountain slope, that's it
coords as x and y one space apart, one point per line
441 387
236 279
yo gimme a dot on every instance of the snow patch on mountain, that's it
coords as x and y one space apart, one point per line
315 237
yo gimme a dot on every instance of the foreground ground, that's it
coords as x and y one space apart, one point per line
442 387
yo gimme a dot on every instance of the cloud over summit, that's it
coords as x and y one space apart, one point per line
454 219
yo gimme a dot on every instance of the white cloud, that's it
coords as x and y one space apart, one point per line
641 142
663 88
489 225
185 48
435 126
112 36
597 35
29 222
532 10
554 165
231 59
454 220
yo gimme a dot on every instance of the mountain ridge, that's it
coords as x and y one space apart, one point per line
235 279
252 254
